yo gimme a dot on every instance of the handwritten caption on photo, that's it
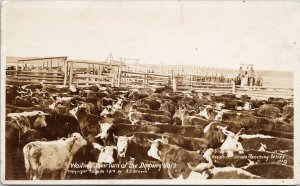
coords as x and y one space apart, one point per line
127 168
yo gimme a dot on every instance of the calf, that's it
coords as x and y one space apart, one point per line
51 156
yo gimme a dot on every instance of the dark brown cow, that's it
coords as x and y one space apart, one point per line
270 111
177 158
272 171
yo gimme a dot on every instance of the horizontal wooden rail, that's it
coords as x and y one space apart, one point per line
140 73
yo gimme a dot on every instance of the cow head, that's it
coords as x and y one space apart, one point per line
155 148
106 153
213 133
231 143
73 111
122 144
79 140
40 121
106 110
247 106
206 112
104 128
219 106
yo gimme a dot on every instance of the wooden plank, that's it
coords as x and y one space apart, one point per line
93 82
37 78
150 74
40 75
263 87
40 72
92 76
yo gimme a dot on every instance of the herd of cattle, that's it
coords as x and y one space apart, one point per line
96 132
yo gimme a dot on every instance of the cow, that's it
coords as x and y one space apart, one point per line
116 107
156 112
288 114
206 112
188 131
204 166
194 120
272 170
137 143
135 95
254 122
60 125
121 130
24 121
52 156
175 156
88 122
270 111
136 117
272 143
11 93
279 102
168 106
179 116
150 103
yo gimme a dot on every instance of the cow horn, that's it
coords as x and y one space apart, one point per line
194 168
150 141
131 137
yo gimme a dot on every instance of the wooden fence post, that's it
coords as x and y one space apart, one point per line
174 84
233 87
66 72
71 74
119 76
112 81
145 80
86 81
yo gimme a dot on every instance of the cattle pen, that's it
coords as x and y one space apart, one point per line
103 119
64 72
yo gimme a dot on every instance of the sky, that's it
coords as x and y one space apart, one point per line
220 34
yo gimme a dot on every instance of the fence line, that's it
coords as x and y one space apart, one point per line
142 80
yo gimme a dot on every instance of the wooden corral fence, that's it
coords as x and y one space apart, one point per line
27 77
49 70
141 80
102 73
257 92
60 71
265 91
